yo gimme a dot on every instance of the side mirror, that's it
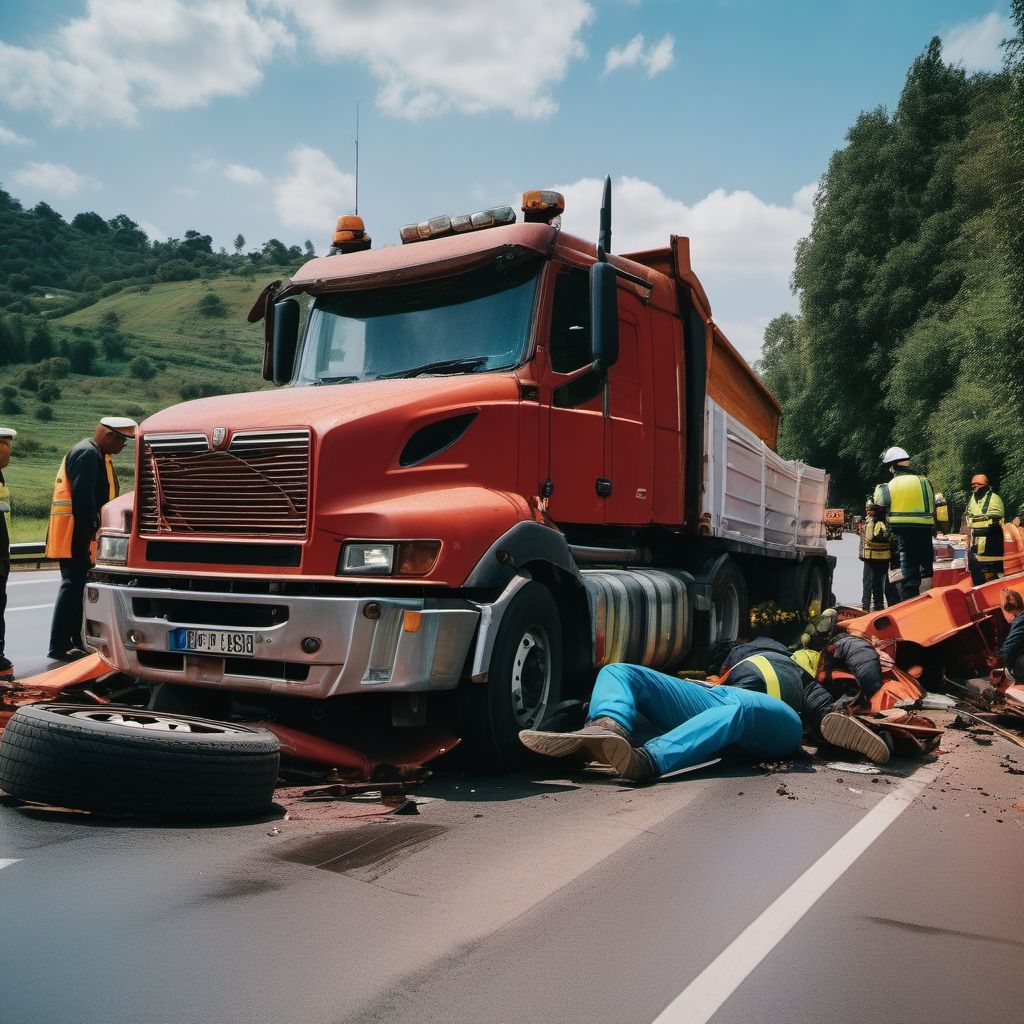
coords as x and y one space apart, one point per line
604 316
286 339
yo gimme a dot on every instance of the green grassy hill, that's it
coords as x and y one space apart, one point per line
191 354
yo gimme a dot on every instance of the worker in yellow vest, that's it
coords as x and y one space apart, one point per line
909 503
85 482
985 515
7 435
875 552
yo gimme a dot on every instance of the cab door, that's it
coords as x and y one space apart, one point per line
576 439
629 452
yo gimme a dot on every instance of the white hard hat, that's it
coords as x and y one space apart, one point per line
120 425
894 454
6 433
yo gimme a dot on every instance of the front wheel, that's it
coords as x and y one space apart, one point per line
523 680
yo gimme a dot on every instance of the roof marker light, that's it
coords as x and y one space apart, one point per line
542 206
349 235
438 227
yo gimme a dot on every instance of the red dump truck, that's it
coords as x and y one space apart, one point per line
499 458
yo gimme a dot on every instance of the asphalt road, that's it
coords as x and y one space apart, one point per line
538 898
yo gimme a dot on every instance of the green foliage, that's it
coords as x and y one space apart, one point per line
82 354
47 391
44 412
911 288
142 368
212 305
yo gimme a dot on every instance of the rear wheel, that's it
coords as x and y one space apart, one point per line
523 681
814 587
729 615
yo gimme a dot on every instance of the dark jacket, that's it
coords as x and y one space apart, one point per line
90 491
799 690
1013 645
856 655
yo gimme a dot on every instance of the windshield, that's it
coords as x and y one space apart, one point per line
470 323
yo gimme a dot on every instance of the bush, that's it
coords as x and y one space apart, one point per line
44 412
176 270
114 345
47 391
190 391
28 445
55 368
10 404
142 368
135 411
28 380
211 305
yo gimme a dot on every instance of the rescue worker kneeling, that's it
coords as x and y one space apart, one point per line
762 707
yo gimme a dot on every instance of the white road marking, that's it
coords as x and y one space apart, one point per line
6 863
30 607
703 997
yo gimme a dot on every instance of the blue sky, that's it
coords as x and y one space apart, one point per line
714 117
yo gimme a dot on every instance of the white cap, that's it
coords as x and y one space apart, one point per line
120 425
894 454
6 433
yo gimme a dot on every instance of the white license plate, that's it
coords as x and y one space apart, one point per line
211 641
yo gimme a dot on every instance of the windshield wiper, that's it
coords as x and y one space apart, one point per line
441 366
350 379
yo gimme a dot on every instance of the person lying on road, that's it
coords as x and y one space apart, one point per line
761 708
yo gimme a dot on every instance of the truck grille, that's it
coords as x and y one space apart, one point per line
257 486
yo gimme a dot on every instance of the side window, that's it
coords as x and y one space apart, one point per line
570 322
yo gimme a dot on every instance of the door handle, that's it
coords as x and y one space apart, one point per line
604 487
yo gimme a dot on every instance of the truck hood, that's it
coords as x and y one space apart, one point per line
326 407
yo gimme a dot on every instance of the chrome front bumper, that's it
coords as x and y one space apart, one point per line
394 652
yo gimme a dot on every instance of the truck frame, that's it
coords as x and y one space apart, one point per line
499 458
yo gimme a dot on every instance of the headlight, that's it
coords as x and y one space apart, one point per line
367 559
386 558
113 548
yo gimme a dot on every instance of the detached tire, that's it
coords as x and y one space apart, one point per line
130 760
523 681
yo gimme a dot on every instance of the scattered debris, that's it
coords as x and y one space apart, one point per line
858 769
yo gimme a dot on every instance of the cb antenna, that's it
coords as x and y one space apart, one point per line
357 158
604 238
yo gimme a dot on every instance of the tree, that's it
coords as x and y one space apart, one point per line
82 355
309 248
91 223
142 368
41 344
47 391
239 243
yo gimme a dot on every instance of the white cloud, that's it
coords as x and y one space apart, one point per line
314 192
153 231
741 245
656 58
9 137
976 44
122 55
47 179
242 175
460 55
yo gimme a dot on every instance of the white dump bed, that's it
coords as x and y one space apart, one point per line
753 495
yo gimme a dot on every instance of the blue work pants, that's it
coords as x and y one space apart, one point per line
697 722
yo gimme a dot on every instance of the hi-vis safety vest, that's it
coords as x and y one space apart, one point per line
984 518
875 543
908 500
61 530
765 667
5 507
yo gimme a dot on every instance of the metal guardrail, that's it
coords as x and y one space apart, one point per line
32 551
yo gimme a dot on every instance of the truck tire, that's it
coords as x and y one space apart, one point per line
814 587
129 760
729 615
523 681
